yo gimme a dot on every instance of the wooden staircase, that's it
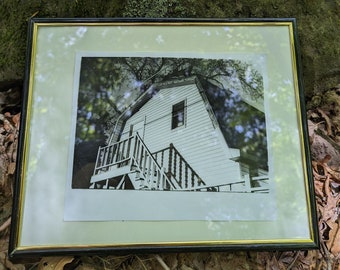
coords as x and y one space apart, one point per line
178 169
129 164
130 160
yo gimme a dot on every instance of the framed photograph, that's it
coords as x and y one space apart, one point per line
162 135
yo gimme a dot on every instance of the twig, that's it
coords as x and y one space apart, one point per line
334 173
327 256
328 121
161 262
335 235
34 266
5 224
142 263
326 186
293 262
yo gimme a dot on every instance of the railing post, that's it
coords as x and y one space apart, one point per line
247 183
117 152
97 160
160 178
123 150
175 165
130 150
180 171
186 176
148 169
170 158
162 158
104 156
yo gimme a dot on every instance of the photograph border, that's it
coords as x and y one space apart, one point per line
230 180
22 204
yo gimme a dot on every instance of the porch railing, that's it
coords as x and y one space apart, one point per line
166 169
178 169
113 156
134 153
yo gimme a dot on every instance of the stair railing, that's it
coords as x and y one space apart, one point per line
133 151
153 174
178 169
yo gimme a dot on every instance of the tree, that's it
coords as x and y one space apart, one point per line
107 85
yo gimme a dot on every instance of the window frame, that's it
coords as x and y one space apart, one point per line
181 108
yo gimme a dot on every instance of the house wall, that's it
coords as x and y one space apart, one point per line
199 142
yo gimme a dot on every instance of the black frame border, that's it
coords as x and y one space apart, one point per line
16 254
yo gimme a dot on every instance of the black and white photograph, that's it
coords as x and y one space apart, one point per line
170 124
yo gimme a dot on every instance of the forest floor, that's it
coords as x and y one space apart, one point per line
324 133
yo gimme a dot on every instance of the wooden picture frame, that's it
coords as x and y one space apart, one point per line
149 135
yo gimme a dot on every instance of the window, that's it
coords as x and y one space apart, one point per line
178 115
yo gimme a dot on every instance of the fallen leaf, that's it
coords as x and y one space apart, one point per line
335 240
16 120
328 122
5 225
331 208
54 263
7 264
11 168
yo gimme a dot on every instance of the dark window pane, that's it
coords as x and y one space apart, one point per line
178 115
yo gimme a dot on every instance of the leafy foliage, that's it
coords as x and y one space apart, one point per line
243 125
159 9
108 85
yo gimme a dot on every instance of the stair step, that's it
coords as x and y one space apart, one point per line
110 174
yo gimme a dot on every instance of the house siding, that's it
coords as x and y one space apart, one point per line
200 143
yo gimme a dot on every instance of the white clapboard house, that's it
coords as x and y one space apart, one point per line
170 139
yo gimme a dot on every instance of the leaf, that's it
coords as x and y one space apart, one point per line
328 121
336 246
331 209
5 263
16 120
310 259
334 240
54 263
7 126
11 168
5 225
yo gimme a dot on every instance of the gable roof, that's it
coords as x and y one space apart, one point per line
242 125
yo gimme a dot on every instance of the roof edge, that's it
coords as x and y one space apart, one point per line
175 82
